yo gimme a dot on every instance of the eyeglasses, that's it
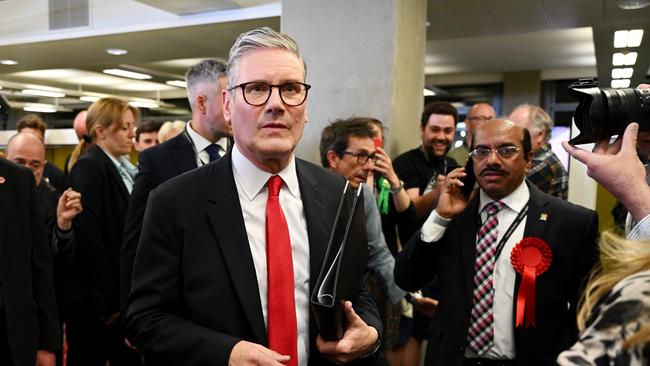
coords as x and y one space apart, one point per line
257 93
480 118
504 152
362 156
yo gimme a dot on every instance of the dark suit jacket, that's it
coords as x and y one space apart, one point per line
99 227
571 232
155 166
26 287
195 292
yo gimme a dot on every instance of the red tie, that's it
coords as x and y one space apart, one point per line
282 328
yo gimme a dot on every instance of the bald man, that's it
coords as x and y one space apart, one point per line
546 172
478 114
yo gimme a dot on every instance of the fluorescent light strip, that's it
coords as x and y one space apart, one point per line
116 51
89 98
177 83
148 105
40 109
428 93
625 73
8 62
620 83
634 37
43 93
628 38
127 74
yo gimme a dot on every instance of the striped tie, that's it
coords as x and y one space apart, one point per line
481 330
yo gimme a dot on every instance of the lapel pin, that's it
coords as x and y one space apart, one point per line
543 216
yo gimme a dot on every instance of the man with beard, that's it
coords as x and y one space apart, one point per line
473 246
420 167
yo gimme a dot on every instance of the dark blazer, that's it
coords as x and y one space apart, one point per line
99 227
570 230
195 292
26 287
155 165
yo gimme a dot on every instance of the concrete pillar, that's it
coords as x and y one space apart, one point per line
364 58
521 87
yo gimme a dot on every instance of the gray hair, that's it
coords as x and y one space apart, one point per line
264 37
540 120
207 71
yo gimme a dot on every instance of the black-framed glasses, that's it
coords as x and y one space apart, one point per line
257 93
504 152
362 156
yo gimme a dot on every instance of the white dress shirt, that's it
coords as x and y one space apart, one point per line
504 274
200 143
253 194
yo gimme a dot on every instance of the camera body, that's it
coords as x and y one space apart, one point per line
602 113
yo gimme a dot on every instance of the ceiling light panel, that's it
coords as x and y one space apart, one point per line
177 83
8 62
127 74
116 51
620 83
43 93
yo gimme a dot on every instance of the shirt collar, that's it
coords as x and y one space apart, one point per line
253 179
514 201
200 142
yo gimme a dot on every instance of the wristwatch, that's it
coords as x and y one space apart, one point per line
398 188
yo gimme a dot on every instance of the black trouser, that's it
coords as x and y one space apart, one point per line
5 353
92 343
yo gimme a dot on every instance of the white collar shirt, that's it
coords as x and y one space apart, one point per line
251 189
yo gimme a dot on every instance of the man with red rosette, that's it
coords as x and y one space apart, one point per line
510 260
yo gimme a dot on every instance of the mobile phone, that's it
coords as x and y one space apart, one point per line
469 180
378 141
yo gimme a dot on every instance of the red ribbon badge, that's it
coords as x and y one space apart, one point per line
530 257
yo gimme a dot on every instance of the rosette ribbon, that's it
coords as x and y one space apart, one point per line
531 257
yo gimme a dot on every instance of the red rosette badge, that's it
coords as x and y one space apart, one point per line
530 257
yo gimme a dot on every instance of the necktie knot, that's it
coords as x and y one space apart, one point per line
213 152
494 207
274 184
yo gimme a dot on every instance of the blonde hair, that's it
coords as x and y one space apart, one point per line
168 127
619 258
105 112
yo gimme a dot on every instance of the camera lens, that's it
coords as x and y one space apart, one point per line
602 113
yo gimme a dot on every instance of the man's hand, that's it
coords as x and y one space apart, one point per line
45 358
451 201
618 169
358 340
247 353
68 208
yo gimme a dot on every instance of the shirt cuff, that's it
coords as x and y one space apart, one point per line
637 231
434 227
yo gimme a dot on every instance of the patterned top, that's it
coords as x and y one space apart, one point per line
617 316
548 173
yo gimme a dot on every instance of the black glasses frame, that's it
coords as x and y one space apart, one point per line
271 86
362 156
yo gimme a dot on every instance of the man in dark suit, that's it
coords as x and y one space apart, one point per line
459 242
29 329
203 289
207 130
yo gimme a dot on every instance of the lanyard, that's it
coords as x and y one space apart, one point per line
509 232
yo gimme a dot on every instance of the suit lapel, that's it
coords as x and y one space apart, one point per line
469 224
230 233
317 226
4 209
101 156
538 213
183 153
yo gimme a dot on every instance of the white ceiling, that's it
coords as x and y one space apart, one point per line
463 37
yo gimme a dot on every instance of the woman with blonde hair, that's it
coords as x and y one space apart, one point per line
104 177
614 315
170 129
